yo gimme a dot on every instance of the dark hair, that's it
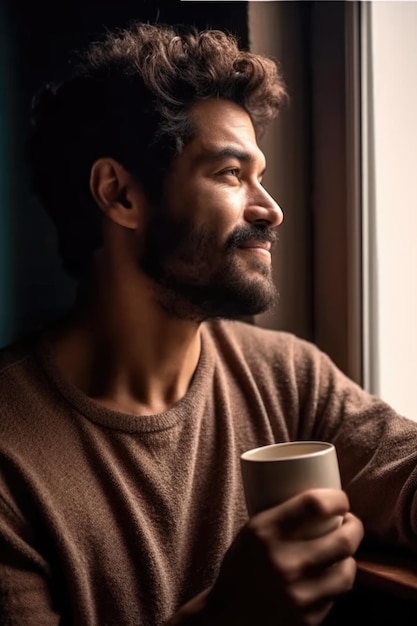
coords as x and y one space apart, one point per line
129 98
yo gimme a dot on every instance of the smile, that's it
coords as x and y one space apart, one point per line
260 248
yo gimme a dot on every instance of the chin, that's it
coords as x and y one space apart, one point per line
246 300
231 292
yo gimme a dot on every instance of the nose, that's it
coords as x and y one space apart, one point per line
262 209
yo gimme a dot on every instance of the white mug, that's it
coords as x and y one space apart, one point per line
272 474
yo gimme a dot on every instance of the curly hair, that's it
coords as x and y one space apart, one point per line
129 97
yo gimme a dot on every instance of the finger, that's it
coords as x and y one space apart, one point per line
313 597
337 545
317 613
319 590
311 505
296 560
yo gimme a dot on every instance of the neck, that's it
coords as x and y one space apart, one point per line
125 352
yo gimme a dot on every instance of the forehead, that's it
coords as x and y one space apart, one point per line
220 124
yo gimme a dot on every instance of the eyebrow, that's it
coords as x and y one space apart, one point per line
227 153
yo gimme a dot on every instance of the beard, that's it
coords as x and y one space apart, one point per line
197 278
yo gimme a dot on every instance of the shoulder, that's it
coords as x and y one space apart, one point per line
288 359
21 379
14 357
260 344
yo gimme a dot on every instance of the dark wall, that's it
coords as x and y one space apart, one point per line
47 29
38 37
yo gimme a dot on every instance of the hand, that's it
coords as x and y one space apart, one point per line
273 574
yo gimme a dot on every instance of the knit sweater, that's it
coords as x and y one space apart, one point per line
114 519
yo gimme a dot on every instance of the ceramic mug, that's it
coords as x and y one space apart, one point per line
272 474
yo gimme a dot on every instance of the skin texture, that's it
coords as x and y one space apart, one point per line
149 327
273 575
135 344
209 251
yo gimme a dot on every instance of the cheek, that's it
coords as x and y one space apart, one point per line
207 205
216 207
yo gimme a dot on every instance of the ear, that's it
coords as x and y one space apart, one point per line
116 192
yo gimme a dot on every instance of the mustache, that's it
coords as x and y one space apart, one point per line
251 232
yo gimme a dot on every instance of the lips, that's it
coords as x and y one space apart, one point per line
262 245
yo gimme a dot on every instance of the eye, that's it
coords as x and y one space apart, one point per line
231 171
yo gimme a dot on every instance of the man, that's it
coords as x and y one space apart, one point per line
122 427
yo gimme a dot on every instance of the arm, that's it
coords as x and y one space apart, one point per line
376 447
25 594
272 575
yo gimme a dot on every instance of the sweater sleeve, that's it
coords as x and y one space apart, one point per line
376 447
25 593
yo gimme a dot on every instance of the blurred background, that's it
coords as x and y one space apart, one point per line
341 164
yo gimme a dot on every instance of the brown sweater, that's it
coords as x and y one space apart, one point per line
113 519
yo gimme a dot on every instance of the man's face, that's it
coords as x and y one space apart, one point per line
207 244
